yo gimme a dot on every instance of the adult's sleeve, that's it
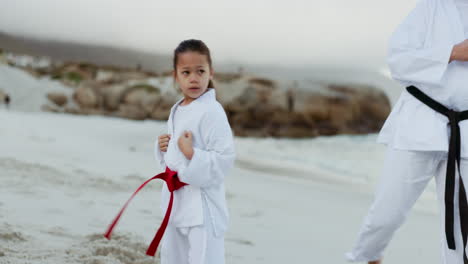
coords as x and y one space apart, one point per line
411 58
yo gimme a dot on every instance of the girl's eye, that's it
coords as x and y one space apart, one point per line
185 72
201 71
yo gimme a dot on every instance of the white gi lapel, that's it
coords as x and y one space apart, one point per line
170 121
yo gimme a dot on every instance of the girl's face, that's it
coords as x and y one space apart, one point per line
192 74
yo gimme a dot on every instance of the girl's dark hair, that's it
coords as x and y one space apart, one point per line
194 45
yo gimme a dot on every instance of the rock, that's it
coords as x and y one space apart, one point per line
226 77
133 75
162 109
57 98
112 96
262 82
72 110
366 109
134 97
85 111
131 112
73 74
255 106
136 94
281 109
86 97
142 96
150 102
89 94
105 76
92 111
49 108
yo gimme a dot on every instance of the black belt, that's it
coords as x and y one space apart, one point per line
453 164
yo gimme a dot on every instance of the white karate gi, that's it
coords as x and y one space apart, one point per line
417 136
199 218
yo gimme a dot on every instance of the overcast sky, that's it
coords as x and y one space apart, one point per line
293 32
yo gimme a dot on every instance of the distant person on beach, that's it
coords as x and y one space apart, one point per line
197 152
425 134
5 99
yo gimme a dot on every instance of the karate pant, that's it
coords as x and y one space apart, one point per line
192 245
405 176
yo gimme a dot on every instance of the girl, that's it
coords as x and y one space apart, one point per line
199 147
197 152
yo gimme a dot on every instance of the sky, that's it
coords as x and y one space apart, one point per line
293 32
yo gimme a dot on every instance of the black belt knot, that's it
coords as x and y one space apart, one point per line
453 165
453 116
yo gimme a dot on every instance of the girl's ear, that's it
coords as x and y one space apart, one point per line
211 73
174 74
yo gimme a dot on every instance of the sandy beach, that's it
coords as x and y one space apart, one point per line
64 177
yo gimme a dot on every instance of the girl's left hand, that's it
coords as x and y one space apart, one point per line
185 144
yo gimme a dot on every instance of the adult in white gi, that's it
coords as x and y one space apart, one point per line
428 50
199 218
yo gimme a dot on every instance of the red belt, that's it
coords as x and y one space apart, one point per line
173 183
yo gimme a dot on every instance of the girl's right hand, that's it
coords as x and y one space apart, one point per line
163 141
